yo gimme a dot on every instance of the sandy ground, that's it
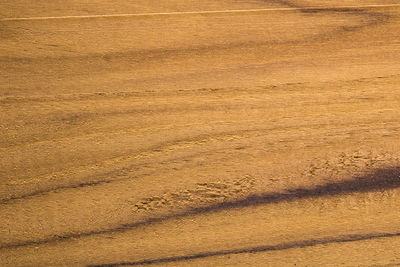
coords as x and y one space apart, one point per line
266 138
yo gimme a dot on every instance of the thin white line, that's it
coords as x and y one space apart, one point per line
196 12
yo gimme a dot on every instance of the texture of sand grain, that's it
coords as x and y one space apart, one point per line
226 139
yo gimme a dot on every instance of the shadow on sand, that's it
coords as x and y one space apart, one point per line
378 180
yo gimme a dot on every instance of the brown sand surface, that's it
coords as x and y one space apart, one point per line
254 138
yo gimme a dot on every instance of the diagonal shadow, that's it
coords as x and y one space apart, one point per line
258 249
377 180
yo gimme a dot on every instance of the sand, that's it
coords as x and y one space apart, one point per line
254 138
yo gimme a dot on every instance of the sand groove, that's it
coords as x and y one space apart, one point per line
242 138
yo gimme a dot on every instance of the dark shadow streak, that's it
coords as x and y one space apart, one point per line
364 184
374 18
92 178
378 180
283 246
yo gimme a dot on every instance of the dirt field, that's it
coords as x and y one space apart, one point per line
266 137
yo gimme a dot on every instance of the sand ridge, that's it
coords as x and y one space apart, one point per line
241 139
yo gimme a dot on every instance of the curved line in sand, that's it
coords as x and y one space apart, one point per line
200 12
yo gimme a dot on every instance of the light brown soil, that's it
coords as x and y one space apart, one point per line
265 138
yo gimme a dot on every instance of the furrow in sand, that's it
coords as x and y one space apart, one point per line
112 155
258 249
271 89
265 10
376 181
205 143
